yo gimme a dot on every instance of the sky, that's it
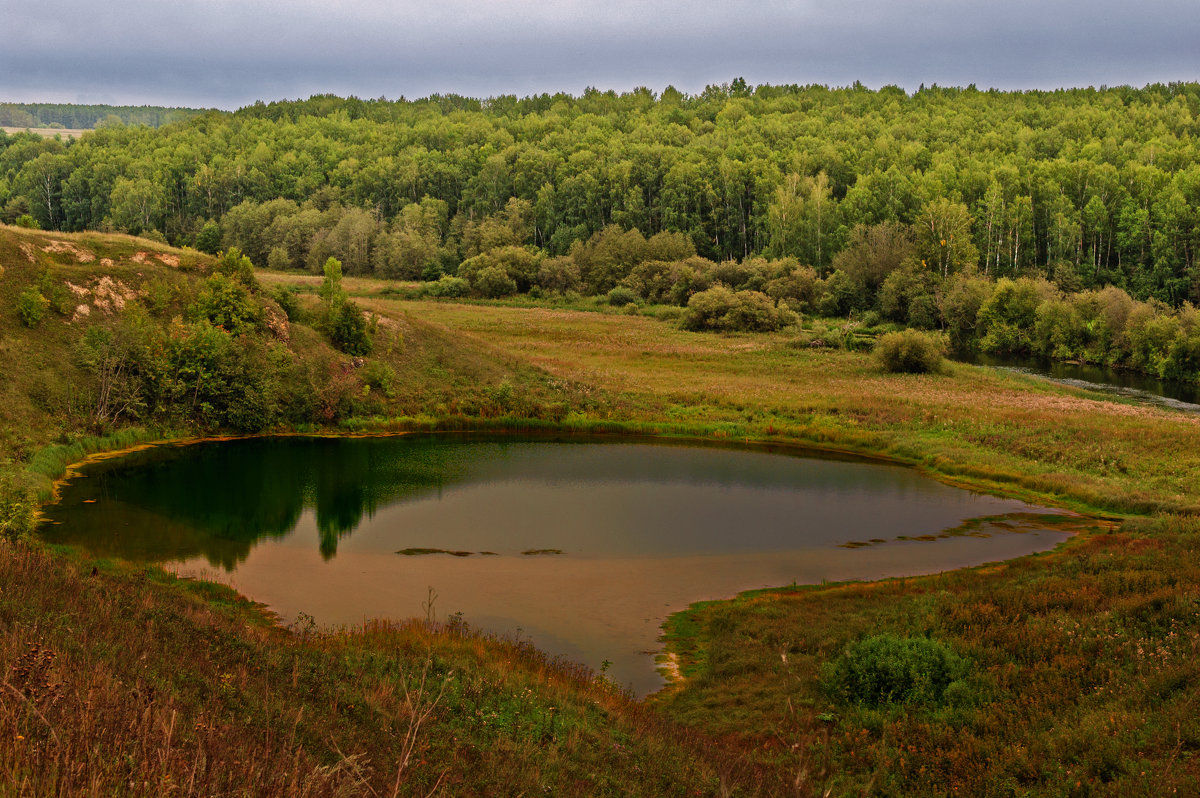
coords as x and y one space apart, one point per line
230 53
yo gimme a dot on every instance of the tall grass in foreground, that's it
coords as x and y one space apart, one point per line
116 680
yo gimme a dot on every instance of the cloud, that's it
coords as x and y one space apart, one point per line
223 53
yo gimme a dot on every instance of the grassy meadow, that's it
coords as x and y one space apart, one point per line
1077 672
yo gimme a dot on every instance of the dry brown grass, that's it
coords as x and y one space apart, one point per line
48 132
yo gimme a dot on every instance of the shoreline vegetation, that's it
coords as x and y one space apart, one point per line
1071 672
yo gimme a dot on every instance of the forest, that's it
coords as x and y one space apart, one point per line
1060 223
86 117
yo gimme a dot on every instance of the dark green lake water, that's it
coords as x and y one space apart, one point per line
314 525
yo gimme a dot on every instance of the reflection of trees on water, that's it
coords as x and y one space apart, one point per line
217 500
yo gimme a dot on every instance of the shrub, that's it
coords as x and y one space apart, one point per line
621 296
225 303
706 310
236 265
519 265
755 311
795 284
447 286
288 301
27 221
432 271
1007 320
558 274
380 377
493 282
209 238
886 669
718 308
910 351
31 306
17 517
348 329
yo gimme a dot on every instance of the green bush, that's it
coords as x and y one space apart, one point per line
348 329
31 306
379 377
17 517
209 238
559 275
910 351
224 302
446 286
286 296
718 308
236 265
886 669
621 296
493 282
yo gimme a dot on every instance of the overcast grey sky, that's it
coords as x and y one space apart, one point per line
228 53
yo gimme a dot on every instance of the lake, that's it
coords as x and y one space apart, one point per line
583 546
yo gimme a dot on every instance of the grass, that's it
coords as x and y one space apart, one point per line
997 430
1083 671
123 680
1084 663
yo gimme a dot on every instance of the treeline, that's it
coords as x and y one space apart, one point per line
1085 188
881 277
66 115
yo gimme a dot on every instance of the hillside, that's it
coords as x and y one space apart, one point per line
129 333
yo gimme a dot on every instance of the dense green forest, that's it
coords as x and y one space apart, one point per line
85 117
1083 204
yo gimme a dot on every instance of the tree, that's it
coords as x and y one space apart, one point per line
344 322
873 253
41 181
944 237
801 219
136 205
209 238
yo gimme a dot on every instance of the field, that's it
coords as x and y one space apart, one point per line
1078 674
48 132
